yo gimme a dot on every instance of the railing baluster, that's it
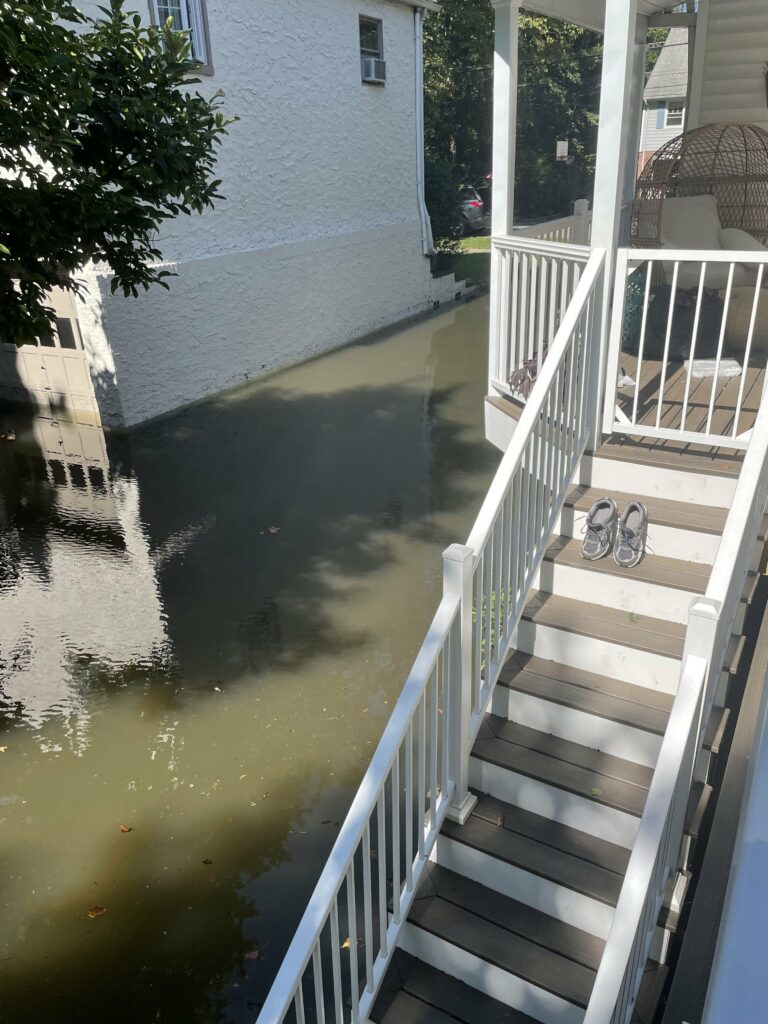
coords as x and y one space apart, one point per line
532 307
748 349
396 876
354 969
381 856
720 341
421 780
433 754
338 992
298 1005
522 326
665 357
409 810
641 346
368 909
514 361
542 317
317 977
692 354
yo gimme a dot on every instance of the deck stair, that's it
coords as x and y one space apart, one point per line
513 913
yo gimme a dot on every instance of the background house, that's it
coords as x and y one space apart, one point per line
324 233
664 97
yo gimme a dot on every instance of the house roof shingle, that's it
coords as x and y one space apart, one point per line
669 78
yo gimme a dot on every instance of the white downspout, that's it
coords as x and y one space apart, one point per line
427 243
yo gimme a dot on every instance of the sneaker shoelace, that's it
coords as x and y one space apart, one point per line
632 538
599 531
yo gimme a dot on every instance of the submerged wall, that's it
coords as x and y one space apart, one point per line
319 240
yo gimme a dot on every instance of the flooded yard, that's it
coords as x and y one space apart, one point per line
202 635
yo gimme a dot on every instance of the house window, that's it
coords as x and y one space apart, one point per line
675 115
187 16
371 38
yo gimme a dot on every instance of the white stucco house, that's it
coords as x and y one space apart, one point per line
324 233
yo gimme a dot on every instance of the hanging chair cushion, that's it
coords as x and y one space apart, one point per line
735 238
740 317
690 222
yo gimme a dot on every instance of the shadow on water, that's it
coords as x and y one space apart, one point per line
207 651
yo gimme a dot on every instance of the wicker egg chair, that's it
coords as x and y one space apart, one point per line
728 161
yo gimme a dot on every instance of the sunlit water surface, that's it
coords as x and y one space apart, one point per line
204 649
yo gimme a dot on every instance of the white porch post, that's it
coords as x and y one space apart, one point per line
458 563
613 149
503 165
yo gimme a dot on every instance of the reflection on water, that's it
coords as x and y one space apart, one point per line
201 638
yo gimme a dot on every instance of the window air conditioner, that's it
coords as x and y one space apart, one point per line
374 70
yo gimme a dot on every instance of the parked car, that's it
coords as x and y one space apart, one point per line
484 188
472 209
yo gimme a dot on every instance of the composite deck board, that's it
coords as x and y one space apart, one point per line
406 1009
681 456
656 569
529 854
629 629
568 766
643 696
444 994
575 754
548 832
661 511
513 936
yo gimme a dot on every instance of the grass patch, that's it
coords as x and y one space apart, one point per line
479 242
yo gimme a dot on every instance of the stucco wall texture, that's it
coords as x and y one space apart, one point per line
319 239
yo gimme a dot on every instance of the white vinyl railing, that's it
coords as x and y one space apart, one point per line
536 282
688 343
575 229
419 772
655 856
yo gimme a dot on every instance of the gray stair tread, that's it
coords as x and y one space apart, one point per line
633 705
656 569
504 832
629 629
570 766
424 994
516 938
677 455
661 511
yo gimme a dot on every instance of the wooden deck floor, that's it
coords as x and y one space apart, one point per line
725 400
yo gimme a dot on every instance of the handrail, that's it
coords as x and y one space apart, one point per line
302 949
457 667
655 854
510 461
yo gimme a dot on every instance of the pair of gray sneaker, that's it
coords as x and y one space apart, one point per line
604 529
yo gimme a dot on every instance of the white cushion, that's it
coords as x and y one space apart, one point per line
690 222
735 238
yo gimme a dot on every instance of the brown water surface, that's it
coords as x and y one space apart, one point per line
200 642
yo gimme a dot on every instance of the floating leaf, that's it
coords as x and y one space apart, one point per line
3 750
126 828
252 954
346 944
274 529
244 776
264 796
207 861
97 911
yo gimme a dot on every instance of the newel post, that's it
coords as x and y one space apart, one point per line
458 564
701 638
581 231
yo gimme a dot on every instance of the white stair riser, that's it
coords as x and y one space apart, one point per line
615 591
643 668
485 977
578 726
656 481
541 893
552 802
667 541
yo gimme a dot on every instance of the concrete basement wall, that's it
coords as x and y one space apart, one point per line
319 240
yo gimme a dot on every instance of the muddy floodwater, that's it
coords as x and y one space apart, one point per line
202 633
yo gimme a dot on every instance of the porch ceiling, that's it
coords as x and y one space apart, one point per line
591 13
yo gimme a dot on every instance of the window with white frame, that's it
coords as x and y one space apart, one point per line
371 37
675 112
187 16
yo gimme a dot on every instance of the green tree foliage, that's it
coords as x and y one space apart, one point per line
100 142
559 79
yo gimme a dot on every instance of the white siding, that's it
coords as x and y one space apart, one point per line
733 84
319 239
